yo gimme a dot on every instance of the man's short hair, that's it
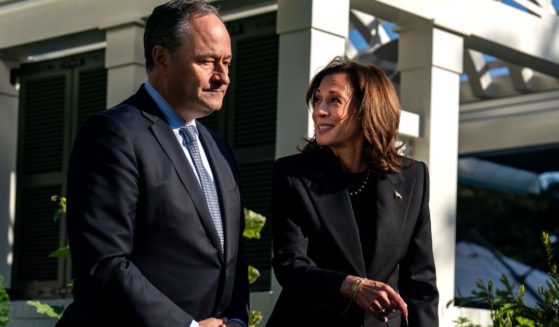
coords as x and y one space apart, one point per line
168 22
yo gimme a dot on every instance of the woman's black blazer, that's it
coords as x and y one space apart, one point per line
316 243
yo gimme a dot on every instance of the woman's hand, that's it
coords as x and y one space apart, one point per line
374 297
213 322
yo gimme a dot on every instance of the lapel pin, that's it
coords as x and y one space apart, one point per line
397 195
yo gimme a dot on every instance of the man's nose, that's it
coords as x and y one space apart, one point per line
221 74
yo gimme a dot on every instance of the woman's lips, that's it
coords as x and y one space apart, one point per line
322 128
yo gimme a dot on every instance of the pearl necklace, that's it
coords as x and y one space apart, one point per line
361 188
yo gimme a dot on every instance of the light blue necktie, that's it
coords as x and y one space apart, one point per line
190 135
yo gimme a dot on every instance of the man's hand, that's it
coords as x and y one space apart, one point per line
212 322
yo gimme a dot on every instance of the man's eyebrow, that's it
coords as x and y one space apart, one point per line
210 54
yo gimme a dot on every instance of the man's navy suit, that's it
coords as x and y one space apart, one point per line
144 248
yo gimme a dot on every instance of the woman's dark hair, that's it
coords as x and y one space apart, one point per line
377 108
167 24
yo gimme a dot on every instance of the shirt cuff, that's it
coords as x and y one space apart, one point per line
194 323
239 321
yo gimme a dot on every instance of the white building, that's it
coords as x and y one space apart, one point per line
62 60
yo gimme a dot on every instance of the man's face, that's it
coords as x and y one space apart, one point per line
198 73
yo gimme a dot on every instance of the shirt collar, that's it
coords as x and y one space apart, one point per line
174 120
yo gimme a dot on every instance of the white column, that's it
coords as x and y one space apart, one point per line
311 33
430 62
8 148
124 59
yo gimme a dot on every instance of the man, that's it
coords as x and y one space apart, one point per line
154 211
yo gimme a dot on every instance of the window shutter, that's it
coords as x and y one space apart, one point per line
255 136
43 113
251 125
256 91
39 235
56 96
92 93
43 116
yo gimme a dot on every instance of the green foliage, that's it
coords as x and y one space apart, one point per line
253 224
4 304
253 274
508 309
549 255
61 200
52 311
254 318
62 253
464 322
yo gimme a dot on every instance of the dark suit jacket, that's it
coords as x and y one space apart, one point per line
145 251
316 243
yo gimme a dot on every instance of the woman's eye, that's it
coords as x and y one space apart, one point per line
315 99
336 100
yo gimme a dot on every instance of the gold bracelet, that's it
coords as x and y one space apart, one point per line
354 290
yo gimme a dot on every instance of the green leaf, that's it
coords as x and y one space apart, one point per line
254 318
253 274
253 224
521 291
54 311
56 216
61 200
63 252
464 322
508 309
4 304
523 321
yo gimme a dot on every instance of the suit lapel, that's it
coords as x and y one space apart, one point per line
168 141
392 201
334 207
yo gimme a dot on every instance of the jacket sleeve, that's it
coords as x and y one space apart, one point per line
295 270
417 280
103 193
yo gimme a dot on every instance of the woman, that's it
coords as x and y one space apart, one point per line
351 227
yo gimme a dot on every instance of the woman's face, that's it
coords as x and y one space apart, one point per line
335 121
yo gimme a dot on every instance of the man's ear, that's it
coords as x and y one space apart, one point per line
161 58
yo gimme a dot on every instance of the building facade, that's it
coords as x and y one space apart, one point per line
63 60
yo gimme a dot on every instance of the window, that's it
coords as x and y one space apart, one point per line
56 97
